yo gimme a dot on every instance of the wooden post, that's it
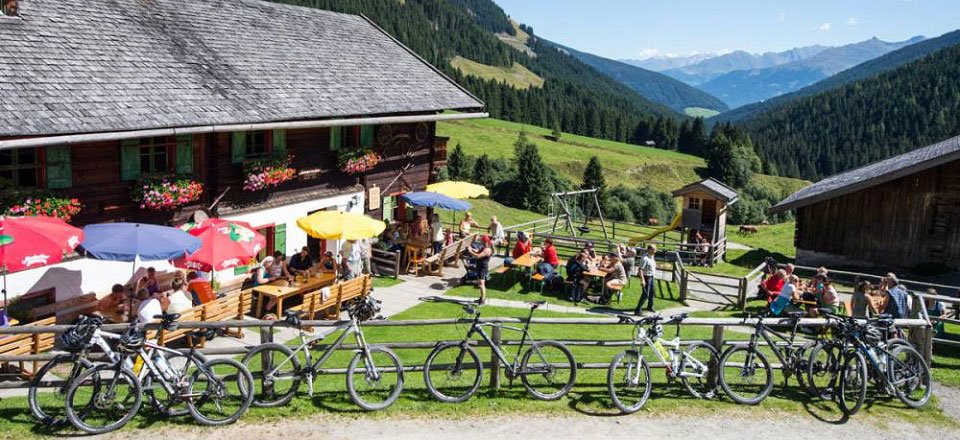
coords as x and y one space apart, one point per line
683 284
266 363
922 340
494 360
717 343
396 265
614 230
742 294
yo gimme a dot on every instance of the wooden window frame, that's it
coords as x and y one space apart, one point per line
694 203
40 167
267 144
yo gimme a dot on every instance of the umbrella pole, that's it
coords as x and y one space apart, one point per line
4 288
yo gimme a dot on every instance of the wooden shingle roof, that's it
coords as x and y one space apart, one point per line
711 186
874 174
88 66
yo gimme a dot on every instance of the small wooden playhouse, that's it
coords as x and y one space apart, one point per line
704 208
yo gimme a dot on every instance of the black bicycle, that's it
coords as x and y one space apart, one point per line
453 370
746 375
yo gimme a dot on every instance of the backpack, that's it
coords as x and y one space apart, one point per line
553 283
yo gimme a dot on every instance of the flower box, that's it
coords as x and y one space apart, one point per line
165 192
60 207
267 173
358 161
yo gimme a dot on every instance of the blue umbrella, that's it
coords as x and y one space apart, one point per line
435 200
134 241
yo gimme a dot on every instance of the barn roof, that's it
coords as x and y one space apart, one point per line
90 66
711 186
874 174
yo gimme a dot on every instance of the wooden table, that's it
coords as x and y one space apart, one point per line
527 260
281 290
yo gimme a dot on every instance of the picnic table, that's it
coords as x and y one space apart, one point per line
282 289
527 260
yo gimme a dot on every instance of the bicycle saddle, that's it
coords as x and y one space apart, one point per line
796 314
679 317
292 317
535 304
167 317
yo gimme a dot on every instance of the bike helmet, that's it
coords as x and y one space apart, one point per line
131 341
77 337
365 309
873 335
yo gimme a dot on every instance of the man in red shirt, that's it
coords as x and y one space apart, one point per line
772 286
550 253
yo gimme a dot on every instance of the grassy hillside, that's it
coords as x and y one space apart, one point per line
626 164
700 112
516 75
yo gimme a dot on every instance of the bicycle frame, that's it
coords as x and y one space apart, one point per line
513 368
674 354
310 372
784 355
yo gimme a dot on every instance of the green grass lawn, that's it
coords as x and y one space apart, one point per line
630 165
384 282
774 240
516 75
700 112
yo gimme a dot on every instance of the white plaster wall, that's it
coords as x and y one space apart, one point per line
83 275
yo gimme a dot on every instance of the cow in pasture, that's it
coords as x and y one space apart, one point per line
749 229
653 221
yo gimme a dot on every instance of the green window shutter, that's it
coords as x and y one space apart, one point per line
185 154
130 159
336 136
367 136
238 142
280 238
59 169
387 208
279 142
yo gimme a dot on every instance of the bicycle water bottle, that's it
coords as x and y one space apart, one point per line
661 349
164 366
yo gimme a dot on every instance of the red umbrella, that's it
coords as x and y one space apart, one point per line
226 244
28 242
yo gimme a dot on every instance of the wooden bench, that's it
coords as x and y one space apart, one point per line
436 262
340 293
227 308
24 344
233 286
67 311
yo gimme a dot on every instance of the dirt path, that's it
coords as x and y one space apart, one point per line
563 427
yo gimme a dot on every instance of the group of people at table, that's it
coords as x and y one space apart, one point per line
148 299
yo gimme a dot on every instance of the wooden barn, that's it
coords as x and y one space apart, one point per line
100 96
902 212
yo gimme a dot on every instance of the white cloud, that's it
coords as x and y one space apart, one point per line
853 21
824 27
782 16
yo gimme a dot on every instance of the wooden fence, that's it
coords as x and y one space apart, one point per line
919 329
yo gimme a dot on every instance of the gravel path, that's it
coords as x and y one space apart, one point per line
767 426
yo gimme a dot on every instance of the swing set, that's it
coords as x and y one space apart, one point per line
577 208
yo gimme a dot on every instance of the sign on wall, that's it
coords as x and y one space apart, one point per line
373 198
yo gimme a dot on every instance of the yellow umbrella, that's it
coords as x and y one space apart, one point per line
339 225
458 190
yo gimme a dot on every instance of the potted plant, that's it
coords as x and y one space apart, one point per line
358 161
268 172
50 205
160 193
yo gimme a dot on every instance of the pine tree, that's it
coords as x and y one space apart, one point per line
593 178
458 165
728 161
556 133
532 184
484 172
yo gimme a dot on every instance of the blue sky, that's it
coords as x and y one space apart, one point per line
630 28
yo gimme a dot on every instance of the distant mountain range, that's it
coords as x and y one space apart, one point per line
660 63
870 68
651 85
710 68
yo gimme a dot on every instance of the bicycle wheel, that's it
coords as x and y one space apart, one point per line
910 376
453 372
745 375
276 372
48 401
548 370
103 399
698 362
853 383
375 378
221 391
628 380
182 365
823 367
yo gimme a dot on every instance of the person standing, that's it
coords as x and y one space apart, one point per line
648 273
436 233
482 254
365 256
467 224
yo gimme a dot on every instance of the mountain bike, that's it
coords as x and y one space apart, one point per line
453 370
374 375
628 377
899 369
104 398
745 373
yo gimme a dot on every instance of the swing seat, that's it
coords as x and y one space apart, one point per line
584 230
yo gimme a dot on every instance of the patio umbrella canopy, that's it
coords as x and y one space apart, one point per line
435 200
458 190
28 242
226 245
339 225
133 241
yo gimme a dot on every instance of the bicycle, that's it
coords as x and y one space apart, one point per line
374 374
628 377
745 373
106 397
453 370
898 369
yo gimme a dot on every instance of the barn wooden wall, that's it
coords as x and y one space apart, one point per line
903 223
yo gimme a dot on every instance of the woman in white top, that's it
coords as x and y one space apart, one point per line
148 308
179 300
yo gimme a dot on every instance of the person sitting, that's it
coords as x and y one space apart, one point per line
827 296
301 262
549 254
263 274
149 281
770 287
576 266
616 276
497 234
935 310
898 306
179 302
328 264
467 224
201 291
591 253
860 301
523 247
149 306
628 255
279 268
788 294
115 302
416 226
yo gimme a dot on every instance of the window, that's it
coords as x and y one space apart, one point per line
357 136
154 156
256 144
248 145
9 8
20 168
694 203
